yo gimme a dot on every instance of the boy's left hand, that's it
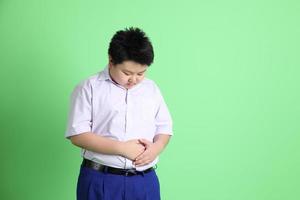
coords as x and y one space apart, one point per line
148 155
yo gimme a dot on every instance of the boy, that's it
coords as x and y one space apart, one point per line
121 123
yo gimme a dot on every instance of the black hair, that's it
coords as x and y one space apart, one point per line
131 44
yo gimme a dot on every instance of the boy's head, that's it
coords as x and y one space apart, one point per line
130 53
131 44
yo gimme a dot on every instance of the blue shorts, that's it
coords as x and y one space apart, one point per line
95 185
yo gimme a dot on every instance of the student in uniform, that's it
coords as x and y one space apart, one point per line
121 122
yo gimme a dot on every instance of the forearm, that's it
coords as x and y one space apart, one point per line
160 141
97 143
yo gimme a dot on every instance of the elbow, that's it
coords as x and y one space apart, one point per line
78 140
74 140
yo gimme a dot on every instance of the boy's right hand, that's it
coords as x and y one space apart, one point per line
132 149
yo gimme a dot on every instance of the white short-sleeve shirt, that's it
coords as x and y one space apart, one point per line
101 106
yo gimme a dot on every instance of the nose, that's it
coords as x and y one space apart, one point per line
133 80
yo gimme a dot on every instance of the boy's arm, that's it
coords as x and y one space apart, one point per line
160 141
96 143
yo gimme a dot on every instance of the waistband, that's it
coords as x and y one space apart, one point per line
103 168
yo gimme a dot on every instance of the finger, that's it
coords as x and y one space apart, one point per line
142 141
140 157
145 142
139 163
143 155
140 160
144 162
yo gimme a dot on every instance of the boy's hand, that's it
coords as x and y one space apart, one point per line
149 154
132 149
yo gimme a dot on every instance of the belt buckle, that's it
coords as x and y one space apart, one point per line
130 172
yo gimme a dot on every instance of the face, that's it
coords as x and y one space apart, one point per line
128 73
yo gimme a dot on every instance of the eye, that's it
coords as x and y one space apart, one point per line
140 74
126 73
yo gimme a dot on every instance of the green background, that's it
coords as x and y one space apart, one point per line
229 72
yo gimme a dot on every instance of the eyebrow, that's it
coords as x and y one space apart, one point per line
133 72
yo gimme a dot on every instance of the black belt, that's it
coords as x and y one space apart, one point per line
112 170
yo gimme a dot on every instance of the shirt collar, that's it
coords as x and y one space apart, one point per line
104 74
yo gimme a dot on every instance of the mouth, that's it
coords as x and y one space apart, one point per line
129 85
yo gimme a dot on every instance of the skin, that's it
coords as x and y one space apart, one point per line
128 73
152 149
141 151
99 144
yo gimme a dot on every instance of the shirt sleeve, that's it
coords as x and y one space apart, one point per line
163 119
80 110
